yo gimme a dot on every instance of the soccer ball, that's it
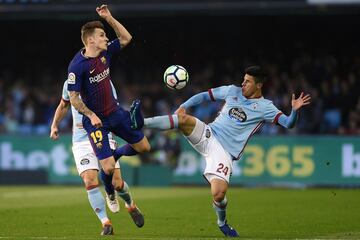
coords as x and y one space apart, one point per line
176 77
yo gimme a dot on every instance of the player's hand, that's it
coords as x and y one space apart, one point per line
301 101
54 133
180 110
103 11
95 121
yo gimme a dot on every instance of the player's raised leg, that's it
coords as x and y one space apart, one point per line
180 120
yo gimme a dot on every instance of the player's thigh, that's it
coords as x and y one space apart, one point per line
84 157
218 162
200 136
99 139
120 124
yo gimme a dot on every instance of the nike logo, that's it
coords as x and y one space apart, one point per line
91 71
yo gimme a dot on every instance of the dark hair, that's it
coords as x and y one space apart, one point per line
89 28
257 73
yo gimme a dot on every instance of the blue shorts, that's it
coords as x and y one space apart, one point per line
118 122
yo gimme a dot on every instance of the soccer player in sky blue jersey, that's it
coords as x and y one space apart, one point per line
89 76
223 141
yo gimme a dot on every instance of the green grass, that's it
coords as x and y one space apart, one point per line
63 212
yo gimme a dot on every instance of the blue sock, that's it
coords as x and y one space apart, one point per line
97 203
125 150
107 181
220 210
124 193
162 122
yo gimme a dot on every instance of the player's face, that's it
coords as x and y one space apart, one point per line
100 39
249 87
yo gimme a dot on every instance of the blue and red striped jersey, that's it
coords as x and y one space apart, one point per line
91 77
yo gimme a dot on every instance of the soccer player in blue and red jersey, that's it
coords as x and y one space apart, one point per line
89 77
223 141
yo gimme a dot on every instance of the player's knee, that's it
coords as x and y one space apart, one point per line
183 118
90 180
146 147
219 195
142 147
108 169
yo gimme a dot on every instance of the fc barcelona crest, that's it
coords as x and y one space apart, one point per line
103 60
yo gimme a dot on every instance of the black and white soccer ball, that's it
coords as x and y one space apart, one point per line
176 77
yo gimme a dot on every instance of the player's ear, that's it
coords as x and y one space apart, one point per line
259 85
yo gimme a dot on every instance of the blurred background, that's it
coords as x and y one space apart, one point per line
305 46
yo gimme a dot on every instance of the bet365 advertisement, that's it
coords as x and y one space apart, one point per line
279 160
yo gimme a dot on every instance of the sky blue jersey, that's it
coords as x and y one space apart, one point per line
239 118
79 133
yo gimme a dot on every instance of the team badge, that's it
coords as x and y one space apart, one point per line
237 114
254 106
103 60
84 161
71 78
99 145
208 133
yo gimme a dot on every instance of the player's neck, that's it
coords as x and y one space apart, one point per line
257 94
89 52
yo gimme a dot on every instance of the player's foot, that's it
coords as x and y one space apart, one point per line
228 231
107 229
112 202
137 119
136 215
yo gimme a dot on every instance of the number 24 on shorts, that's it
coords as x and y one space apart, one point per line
222 169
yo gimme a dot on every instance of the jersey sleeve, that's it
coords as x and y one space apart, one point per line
272 114
65 94
74 80
219 92
113 47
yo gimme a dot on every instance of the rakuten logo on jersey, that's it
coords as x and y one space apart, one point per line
99 77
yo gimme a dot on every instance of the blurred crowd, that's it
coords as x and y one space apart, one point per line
28 108
297 59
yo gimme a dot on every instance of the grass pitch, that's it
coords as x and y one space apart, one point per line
63 212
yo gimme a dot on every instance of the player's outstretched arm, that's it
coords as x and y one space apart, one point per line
296 104
301 101
121 32
59 115
80 106
196 99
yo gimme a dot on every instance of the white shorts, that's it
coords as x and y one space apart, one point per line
218 161
85 158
